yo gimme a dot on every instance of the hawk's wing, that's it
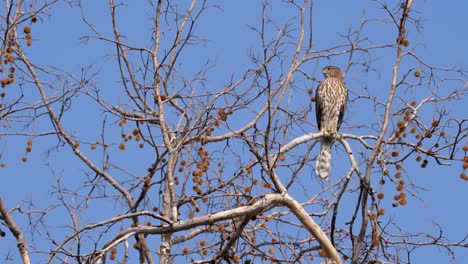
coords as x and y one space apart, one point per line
342 110
318 108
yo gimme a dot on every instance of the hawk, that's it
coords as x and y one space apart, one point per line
330 105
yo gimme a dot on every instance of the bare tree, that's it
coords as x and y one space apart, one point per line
171 166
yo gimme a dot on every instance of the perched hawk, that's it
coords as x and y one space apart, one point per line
330 106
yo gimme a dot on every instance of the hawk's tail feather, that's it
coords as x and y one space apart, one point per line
323 164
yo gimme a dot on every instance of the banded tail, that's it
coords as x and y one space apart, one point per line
323 163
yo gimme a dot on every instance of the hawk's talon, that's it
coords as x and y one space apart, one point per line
337 135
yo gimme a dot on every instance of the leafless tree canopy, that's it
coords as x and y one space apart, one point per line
163 156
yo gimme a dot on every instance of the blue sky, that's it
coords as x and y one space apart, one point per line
227 41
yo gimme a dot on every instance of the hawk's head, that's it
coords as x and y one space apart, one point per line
332 71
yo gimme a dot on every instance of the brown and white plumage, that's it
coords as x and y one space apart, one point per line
330 105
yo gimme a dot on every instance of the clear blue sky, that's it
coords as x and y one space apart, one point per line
441 41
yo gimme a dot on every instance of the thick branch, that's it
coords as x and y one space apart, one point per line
16 231
267 202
